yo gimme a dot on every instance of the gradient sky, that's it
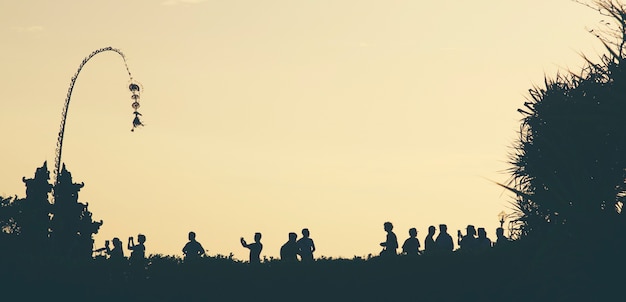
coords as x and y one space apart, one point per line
271 116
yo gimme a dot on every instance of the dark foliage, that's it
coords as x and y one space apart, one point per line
569 162
510 273
8 214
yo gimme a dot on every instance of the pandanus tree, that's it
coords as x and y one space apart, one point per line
569 163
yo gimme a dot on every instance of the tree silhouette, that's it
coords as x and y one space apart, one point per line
8 214
569 162
25 222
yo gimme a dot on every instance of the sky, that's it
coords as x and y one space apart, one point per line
273 116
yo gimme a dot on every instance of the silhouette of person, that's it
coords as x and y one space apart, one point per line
116 258
429 242
500 238
469 241
483 242
411 245
391 242
138 251
306 246
255 248
444 241
117 253
289 250
137 256
193 249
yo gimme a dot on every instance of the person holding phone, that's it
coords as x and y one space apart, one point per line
255 248
117 253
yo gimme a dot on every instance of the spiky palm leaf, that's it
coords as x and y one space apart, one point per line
568 165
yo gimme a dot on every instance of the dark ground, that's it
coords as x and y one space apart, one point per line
518 272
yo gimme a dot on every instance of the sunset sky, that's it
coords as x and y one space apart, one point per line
271 116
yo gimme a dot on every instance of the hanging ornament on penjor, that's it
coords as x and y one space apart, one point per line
135 88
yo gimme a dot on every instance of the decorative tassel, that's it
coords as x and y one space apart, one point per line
135 89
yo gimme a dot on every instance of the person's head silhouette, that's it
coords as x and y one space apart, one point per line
500 232
117 242
293 236
443 228
141 238
388 226
192 236
431 230
482 233
305 233
471 231
257 237
413 232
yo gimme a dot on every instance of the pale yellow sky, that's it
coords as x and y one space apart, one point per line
271 116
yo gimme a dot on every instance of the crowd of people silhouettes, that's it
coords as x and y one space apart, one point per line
304 247
301 250
443 243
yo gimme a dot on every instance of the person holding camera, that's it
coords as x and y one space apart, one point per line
255 248
138 251
117 253
137 257
468 242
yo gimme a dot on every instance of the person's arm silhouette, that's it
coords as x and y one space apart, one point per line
202 250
